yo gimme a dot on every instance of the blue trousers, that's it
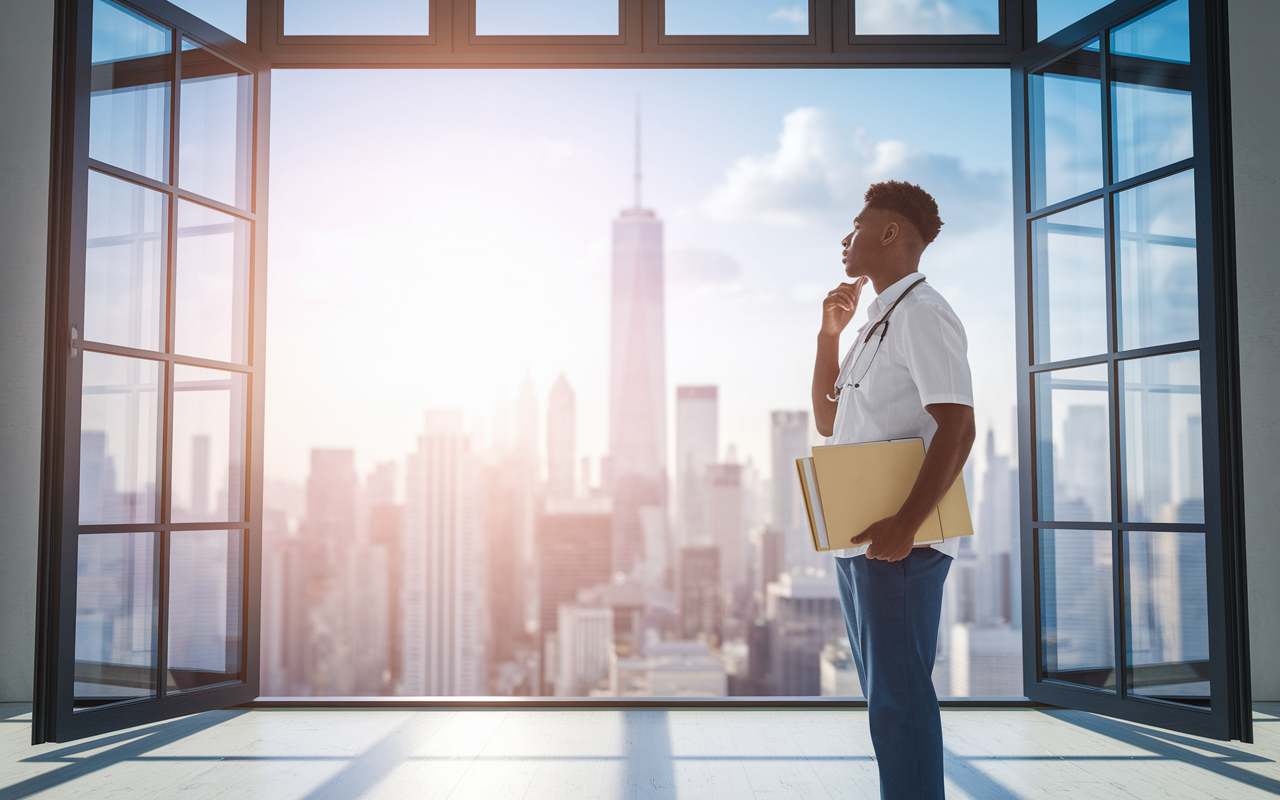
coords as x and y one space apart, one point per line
892 610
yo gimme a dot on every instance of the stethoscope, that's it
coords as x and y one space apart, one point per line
883 325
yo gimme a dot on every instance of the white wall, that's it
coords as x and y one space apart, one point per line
26 61
1255 111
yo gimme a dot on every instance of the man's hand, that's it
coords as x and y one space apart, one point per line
840 306
890 539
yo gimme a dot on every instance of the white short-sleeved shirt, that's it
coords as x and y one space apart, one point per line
922 360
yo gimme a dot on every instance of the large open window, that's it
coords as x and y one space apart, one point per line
478 294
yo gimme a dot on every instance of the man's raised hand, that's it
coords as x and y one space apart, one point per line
840 306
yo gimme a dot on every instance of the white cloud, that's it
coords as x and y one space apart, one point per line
925 16
820 170
796 15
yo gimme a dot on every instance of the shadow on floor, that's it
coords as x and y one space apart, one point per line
129 745
1176 747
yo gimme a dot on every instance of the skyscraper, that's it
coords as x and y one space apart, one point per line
700 597
561 439
444 565
789 440
697 445
724 505
637 380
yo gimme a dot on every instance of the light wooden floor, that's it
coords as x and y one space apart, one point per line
570 754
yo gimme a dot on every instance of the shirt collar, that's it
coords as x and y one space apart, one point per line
888 296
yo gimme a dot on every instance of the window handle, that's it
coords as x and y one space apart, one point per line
75 339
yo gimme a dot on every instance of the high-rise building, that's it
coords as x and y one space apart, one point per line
444 556
575 552
804 614
789 440
562 436
697 445
773 557
510 505
331 501
637 380
724 505
700 597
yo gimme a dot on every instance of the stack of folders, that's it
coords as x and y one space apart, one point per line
847 487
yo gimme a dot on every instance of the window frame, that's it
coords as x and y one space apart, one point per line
832 42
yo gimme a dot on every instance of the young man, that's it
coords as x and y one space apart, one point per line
906 375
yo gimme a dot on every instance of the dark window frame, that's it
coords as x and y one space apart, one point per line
832 42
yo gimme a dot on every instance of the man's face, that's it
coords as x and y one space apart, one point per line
855 245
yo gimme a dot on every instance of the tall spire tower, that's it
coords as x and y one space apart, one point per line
638 386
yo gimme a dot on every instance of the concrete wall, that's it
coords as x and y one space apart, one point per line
26 61
1255 111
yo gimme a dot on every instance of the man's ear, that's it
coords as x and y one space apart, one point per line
890 233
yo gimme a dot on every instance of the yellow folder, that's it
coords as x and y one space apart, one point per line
846 487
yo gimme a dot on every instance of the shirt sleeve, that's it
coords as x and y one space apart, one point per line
936 352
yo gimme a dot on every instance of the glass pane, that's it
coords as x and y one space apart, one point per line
370 18
1069 284
1054 15
1073 451
228 16
215 152
1156 262
212 278
927 16
205 579
547 18
1077 623
116 618
740 18
1167 616
132 75
1065 107
124 270
209 414
119 424
1163 454
1162 34
1151 91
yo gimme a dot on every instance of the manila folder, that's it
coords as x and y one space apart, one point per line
863 483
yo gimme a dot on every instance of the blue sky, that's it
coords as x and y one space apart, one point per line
435 234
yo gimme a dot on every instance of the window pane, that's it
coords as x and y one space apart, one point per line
212 278
228 16
1167 616
370 18
215 152
125 254
1073 452
205 580
116 601
1163 455
1054 15
547 18
927 16
1151 91
1162 34
119 423
132 74
740 18
208 444
1065 106
1156 262
1069 284
1077 625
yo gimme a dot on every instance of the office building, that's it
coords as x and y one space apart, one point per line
697 447
562 433
445 558
637 382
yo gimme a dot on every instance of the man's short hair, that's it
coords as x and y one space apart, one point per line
910 201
